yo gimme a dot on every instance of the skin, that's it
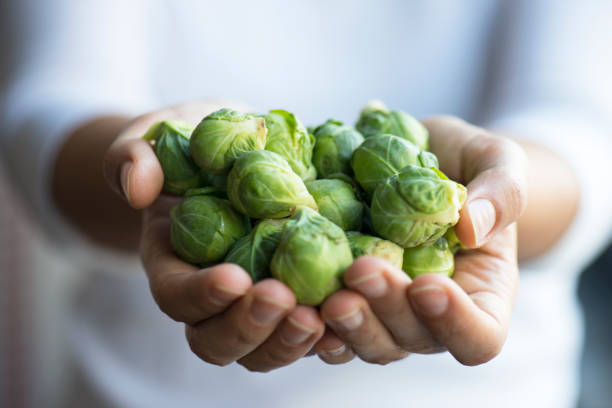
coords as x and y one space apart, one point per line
382 315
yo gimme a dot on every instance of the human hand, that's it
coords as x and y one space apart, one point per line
227 317
383 316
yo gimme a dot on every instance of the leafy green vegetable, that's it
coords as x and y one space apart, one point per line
311 257
221 137
288 138
262 185
375 118
416 206
433 258
380 157
254 251
204 228
368 245
171 146
334 147
337 202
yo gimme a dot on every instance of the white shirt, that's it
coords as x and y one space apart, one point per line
537 69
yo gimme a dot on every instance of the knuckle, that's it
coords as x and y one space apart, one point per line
196 347
165 304
515 195
245 338
165 301
277 358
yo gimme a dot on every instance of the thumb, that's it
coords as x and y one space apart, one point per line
132 169
497 192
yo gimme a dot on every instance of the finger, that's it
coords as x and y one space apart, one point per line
291 341
384 286
470 314
494 169
496 191
227 337
133 171
182 291
349 315
331 349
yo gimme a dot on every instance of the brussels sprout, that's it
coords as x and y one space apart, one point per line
416 206
208 190
434 258
428 159
254 251
375 118
368 227
224 135
171 147
219 182
336 200
382 156
262 185
334 146
453 241
311 257
288 138
204 228
368 245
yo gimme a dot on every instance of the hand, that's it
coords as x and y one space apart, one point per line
227 317
383 315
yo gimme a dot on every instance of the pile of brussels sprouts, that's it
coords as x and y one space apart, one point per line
298 204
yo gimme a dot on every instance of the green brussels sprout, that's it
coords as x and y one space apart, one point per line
380 157
453 241
171 147
224 135
434 258
205 227
416 206
337 202
254 251
262 185
311 257
288 138
208 190
368 245
375 118
334 146
219 182
428 159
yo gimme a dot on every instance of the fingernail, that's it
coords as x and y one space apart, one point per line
126 169
430 300
295 332
350 321
335 352
222 296
372 286
265 311
482 214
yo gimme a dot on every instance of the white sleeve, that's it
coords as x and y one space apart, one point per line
68 61
553 84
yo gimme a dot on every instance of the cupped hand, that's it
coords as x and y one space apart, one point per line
226 317
383 315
